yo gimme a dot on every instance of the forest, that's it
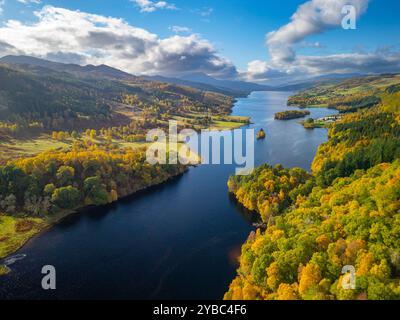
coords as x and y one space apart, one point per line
40 190
291 114
345 212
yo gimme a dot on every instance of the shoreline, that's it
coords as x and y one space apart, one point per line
46 223
50 222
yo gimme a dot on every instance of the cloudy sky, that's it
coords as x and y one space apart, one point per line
256 40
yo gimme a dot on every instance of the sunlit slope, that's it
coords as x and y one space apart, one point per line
346 213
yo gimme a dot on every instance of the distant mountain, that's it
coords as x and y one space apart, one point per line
36 92
198 85
340 76
231 88
199 81
311 82
297 86
89 70
29 60
225 84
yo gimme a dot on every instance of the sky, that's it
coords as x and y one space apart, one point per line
255 40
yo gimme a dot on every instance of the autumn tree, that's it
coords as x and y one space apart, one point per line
66 197
95 193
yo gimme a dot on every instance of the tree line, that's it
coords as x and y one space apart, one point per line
57 181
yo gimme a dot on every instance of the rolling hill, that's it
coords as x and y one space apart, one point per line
62 96
89 70
349 95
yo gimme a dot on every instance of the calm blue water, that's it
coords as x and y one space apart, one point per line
176 241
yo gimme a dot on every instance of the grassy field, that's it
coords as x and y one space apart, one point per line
15 232
314 125
323 95
17 148
216 123
13 148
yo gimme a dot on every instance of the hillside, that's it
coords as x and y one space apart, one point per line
30 95
46 105
349 95
43 96
346 212
198 85
87 71
232 88
236 85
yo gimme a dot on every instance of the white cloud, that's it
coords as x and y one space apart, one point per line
307 66
373 62
311 18
74 36
258 70
180 29
29 1
151 6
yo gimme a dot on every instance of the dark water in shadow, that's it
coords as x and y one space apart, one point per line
175 241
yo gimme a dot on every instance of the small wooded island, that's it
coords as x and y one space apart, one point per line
291 114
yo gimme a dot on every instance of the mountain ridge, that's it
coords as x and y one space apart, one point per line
102 70
196 80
